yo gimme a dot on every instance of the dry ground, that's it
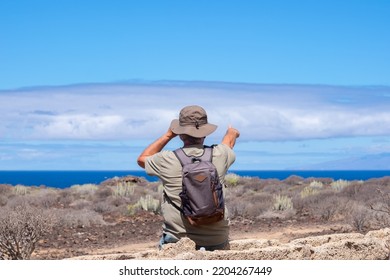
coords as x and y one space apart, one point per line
140 233
122 215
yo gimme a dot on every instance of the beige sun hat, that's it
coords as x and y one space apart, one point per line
193 121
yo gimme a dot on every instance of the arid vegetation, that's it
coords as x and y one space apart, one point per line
363 205
41 217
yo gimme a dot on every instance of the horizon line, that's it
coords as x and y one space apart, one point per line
163 82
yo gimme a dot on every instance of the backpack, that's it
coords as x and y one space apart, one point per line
202 200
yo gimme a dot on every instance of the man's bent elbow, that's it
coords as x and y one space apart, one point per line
141 162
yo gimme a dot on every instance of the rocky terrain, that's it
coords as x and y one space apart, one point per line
296 218
375 245
137 237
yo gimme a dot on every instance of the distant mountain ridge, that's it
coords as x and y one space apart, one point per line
367 162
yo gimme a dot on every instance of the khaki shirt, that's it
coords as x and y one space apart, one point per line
167 167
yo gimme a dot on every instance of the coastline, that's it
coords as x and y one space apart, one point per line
67 178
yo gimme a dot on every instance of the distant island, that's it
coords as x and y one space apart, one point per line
367 162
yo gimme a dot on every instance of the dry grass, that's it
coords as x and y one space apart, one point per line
364 205
249 197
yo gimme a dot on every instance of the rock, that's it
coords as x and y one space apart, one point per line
324 239
173 249
382 234
247 244
352 249
129 179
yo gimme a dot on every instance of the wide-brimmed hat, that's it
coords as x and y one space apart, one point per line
193 121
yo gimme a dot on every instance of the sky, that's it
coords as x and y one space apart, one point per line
89 84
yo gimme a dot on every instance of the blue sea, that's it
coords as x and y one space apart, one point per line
65 179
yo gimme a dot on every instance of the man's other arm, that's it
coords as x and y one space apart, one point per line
230 137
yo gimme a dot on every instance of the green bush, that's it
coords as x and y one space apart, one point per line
231 179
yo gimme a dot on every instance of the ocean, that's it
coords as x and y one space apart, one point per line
65 179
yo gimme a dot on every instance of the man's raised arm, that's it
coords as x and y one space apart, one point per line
155 147
230 137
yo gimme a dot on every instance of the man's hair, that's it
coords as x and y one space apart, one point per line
189 140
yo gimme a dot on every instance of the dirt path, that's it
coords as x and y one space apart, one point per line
283 234
127 237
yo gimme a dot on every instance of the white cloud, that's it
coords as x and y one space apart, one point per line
144 111
79 126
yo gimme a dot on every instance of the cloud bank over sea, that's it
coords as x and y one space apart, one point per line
144 110
132 114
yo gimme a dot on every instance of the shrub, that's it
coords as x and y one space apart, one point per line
45 198
253 183
308 191
328 206
118 201
78 218
232 193
294 180
5 189
316 184
21 190
66 197
20 229
282 203
85 190
383 203
103 192
339 185
132 209
352 189
274 186
80 204
381 208
148 203
102 207
359 217
231 179
325 181
123 190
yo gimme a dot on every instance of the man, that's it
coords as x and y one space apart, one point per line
192 128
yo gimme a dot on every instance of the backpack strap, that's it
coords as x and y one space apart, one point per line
171 202
207 154
182 157
185 159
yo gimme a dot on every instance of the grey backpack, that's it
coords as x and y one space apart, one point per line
202 199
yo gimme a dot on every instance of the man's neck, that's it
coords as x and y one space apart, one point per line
200 146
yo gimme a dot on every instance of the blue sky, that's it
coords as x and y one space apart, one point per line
88 84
